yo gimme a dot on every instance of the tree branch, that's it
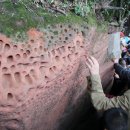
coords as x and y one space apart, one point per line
106 5
110 2
59 10
113 8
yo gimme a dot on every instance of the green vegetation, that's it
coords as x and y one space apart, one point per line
17 16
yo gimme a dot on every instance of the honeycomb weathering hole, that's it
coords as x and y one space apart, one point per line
21 50
17 77
63 49
70 35
41 48
4 69
57 58
28 79
53 52
78 42
69 48
10 59
76 54
35 49
54 68
7 47
17 56
9 95
1 45
65 30
42 57
1 41
51 71
69 26
32 72
24 55
45 49
28 52
12 67
32 41
58 50
69 57
52 37
49 54
66 38
46 77
15 47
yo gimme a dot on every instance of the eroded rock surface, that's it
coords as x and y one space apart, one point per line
43 81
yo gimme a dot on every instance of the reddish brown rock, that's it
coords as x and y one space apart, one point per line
43 82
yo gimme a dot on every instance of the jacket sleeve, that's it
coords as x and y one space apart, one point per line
101 102
122 72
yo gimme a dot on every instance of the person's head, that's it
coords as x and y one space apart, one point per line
122 62
115 119
122 34
128 45
128 52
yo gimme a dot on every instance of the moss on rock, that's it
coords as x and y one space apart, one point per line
17 18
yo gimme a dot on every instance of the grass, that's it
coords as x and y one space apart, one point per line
16 19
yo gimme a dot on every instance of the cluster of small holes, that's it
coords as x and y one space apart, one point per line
66 34
27 51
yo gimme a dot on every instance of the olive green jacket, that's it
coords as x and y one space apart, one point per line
101 102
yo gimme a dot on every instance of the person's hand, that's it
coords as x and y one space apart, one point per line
116 75
115 60
93 65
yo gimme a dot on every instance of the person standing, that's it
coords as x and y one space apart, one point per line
99 100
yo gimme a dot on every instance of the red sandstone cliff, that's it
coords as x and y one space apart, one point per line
43 82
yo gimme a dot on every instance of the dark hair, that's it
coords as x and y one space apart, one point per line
122 62
128 42
128 50
115 119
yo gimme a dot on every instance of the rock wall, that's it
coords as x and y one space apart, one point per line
43 83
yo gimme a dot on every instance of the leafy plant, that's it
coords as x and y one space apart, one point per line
82 9
50 1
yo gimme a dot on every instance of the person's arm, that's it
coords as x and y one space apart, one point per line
99 100
122 72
